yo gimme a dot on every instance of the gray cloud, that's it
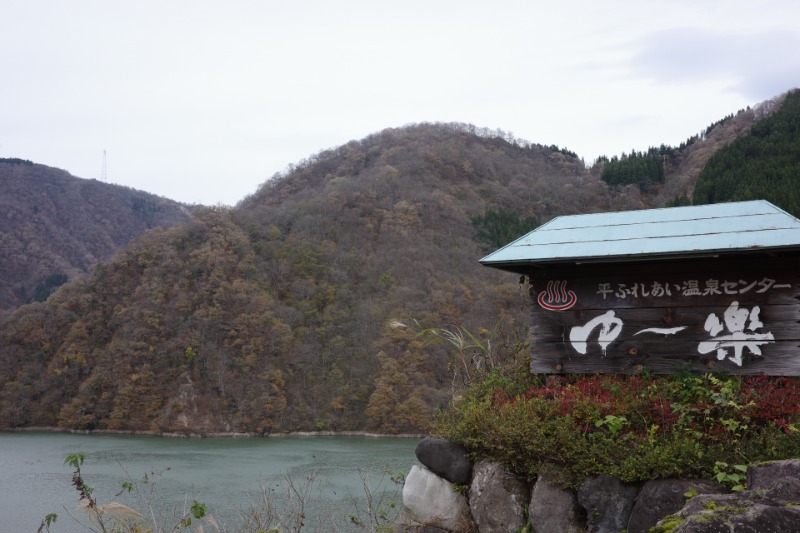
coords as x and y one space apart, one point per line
758 66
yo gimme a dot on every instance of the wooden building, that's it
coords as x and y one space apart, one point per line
713 287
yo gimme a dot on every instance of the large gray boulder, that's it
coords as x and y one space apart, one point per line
754 511
608 503
497 498
663 497
430 500
763 476
555 510
445 459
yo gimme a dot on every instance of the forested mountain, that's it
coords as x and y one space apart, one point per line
275 315
668 174
300 308
764 164
54 226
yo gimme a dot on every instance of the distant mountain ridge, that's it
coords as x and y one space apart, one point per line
301 308
55 226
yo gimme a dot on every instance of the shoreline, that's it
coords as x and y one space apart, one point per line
211 435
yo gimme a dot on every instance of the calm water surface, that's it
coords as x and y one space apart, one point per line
227 474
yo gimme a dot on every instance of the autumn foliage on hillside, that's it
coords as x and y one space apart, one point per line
55 226
273 316
764 164
294 310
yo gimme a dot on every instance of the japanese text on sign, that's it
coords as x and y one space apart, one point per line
728 340
691 287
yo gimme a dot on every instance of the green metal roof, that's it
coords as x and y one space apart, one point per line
653 233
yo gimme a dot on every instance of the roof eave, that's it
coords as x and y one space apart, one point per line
524 265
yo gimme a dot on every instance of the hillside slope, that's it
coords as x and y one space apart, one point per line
300 308
274 315
683 173
763 164
55 226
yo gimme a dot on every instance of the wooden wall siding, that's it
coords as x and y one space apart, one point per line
743 319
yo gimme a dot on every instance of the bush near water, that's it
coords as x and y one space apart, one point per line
634 428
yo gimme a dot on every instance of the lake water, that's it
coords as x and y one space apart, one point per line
228 475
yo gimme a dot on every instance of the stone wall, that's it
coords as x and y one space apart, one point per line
449 493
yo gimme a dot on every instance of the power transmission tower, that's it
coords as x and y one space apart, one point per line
103 169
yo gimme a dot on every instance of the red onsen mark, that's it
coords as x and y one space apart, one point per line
558 297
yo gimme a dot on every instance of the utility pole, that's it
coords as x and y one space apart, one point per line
103 169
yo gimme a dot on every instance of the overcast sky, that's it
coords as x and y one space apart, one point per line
201 101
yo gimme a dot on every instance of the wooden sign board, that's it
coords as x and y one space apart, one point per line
742 317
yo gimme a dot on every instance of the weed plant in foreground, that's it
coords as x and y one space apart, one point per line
636 427
375 510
